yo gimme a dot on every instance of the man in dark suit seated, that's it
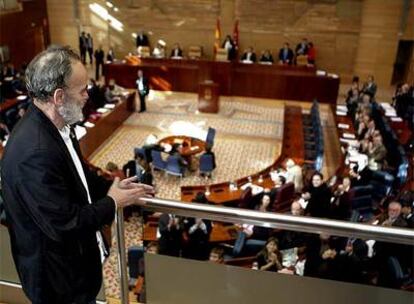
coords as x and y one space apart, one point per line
286 54
249 55
176 52
55 205
266 57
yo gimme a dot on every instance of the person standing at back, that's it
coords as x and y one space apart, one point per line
99 61
55 206
89 44
143 90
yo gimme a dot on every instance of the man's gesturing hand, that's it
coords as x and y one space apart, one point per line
128 192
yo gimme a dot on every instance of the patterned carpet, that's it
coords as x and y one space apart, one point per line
248 139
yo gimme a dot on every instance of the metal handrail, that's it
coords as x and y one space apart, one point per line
263 219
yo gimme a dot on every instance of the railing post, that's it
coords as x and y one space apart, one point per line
122 264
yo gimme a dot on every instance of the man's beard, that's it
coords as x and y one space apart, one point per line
70 111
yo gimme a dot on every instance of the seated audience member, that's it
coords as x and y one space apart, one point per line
362 121
110 57
384 250
176 52
402 101
174 153
270 258
341 204
249 55
252 238
376 152
407 214
289 238
285 54
140 290
311 54
171 235
19 85
113 92
294 175
140 168
279 181
266 57
370 87
216 255
159 50
229 45
96 95
302 47
352 100
300 262
319 197
393 217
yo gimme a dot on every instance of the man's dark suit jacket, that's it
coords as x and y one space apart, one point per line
52 226
180 52
252 57
142 40
289 55
145 82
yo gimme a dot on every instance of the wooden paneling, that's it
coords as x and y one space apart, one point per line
25 32
351 36
234 79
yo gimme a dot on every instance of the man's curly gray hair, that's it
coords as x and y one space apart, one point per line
50 70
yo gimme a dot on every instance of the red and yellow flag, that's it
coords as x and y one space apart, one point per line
236 34
217 36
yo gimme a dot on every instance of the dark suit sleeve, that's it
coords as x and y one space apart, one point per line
50 201
98 185
253 57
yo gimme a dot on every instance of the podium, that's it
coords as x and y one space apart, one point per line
208 97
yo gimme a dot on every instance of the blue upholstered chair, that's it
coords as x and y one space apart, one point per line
211 134
206 164
157 161
174 166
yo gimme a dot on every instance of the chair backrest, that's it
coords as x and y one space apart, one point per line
221 55
283 198
157 160
211 134
206 163
195 52
144 51
173 165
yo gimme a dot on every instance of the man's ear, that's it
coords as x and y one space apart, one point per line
59 97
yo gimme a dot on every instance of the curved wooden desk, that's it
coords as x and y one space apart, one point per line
189 146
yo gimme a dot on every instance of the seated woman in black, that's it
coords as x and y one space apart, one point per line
270 258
